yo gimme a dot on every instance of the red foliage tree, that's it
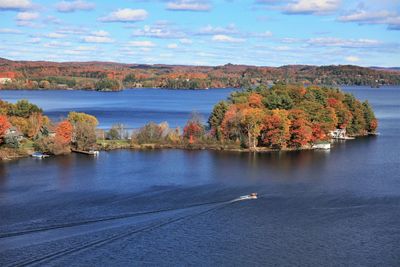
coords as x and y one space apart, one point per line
300 128
193 129
4 125
276 128
64 132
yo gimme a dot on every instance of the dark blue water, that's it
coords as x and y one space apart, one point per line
133 108
316 208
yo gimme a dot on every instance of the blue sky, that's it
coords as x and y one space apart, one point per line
207 32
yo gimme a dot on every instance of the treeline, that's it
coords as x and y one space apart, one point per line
62 83
105 76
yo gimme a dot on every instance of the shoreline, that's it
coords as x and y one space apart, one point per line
110 145
183 88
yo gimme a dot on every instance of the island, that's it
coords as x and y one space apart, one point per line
281 117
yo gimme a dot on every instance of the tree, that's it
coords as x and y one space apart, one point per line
251 120
216 118
255 100
79 117
276 129
193 129
108 85
151 133
4 126
35 123
84 130
301 132
64 131
23 109
230 125
84 136
369 116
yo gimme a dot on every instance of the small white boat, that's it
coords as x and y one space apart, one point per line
246 197
39 155
325 146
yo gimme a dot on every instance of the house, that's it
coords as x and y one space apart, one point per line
6 77
13 134
338 134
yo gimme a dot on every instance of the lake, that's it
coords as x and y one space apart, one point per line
133 108
174 207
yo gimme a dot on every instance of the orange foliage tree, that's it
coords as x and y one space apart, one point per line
4 125
276 128
251 120
64 132
193 129
300 130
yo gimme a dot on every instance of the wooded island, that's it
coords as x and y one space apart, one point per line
281 117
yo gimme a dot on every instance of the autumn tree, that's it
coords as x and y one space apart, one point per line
64 131
301 131
251 120
84 133
276 129
4 126
194 129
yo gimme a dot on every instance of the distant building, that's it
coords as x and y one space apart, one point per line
6 77
14 133
338 134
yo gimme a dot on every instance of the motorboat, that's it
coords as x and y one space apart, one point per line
250 196
39 155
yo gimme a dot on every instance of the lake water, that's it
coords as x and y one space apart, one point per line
316 208
133 108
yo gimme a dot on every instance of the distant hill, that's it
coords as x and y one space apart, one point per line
388 69
86 75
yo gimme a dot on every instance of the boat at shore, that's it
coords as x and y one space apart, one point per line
39 155
89 152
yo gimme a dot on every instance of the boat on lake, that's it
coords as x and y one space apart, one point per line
39 155
246 197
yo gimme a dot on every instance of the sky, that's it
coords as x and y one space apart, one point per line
203 32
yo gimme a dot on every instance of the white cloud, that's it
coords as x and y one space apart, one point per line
54 35
185 41
344 43
317 7
172 46
56 44
97 39
391 19
72 6
85 48
26 16
15 4
126 15
161 31
142 43
100 33
226 39
211 30
9 31
188 5
352 59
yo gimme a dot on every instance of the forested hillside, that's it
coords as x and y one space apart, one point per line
115 76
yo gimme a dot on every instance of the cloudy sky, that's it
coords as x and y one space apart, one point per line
207 32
